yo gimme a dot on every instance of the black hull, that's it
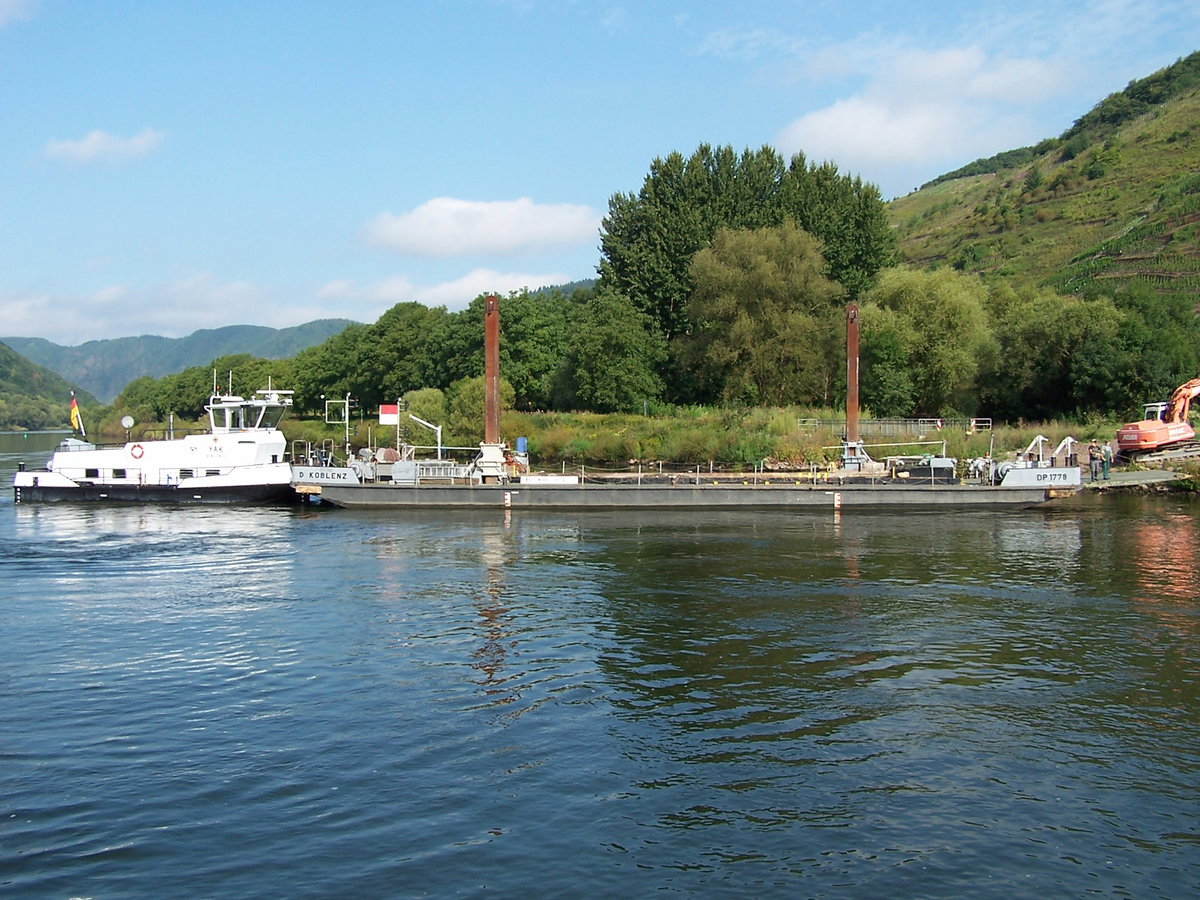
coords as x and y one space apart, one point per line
261 494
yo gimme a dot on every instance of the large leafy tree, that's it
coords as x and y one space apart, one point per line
765 318
1064 355
648 239
1162 333
847 214
534 340
377 363
614 356
327 369
933 327
139 399
398 353
887 387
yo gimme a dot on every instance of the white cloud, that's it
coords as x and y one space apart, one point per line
335 290
859 133
16 10
171 310
109 299
100 146
392 291
28 314
459 293
446 226
1019 81
366 302
926 109
202 289
955 74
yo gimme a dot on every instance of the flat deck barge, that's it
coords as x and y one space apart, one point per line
767 495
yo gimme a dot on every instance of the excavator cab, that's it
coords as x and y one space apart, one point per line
1152 411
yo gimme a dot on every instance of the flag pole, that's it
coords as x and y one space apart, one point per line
77 417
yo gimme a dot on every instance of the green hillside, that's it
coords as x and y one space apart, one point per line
105 367
1114 201
31 396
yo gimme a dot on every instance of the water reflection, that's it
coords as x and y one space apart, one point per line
877 654
171 561
751 704
1166 557
496 624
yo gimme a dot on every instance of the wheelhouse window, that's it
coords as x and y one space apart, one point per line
229 419
270 416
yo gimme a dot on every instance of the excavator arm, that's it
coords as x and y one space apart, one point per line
1181 401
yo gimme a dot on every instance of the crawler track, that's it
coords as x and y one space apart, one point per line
1179 451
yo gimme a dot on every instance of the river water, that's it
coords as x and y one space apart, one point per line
311 703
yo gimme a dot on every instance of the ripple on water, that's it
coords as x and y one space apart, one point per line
777 705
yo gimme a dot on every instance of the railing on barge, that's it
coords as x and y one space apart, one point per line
894 427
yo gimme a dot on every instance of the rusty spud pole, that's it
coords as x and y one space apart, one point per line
852 373
491 369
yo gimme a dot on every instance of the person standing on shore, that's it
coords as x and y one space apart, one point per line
1094 459
1106 459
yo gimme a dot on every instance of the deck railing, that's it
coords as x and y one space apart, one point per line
894 427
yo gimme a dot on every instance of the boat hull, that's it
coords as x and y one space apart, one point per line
262 494
678 496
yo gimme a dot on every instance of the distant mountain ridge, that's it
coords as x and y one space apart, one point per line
105 367
31 396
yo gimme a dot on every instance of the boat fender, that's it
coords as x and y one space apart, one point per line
136 451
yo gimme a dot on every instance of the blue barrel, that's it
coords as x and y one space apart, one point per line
521 444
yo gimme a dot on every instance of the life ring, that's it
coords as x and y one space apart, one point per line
136 451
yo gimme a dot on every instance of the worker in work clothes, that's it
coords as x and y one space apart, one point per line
1106 459
1094 459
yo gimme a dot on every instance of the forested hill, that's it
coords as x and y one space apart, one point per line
31 396
1112 202
105 367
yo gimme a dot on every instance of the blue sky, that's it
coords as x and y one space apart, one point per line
169 166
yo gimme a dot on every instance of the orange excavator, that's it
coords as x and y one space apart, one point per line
1166 429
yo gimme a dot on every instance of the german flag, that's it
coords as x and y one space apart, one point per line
76 418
